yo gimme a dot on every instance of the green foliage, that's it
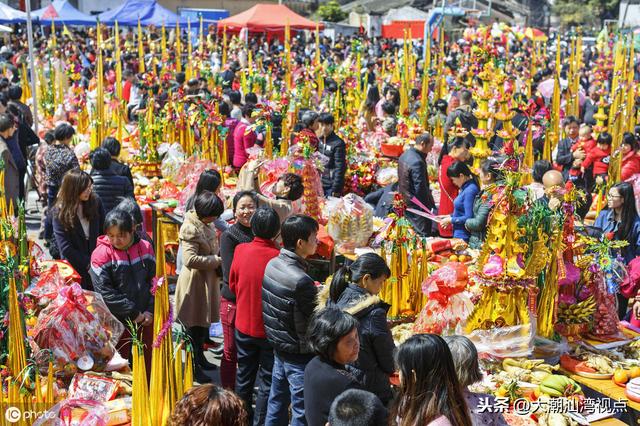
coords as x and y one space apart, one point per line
587 12
332 12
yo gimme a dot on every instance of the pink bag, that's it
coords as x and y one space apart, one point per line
635 181
630 285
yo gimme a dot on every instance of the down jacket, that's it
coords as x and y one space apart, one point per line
333 177
477 225
414 182
124 277
288 302
110 188
375 361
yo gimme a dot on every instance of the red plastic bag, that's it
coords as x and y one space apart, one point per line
448 305
45 287
75 412
79 330
169 191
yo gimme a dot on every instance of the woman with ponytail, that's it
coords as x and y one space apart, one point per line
455 150
355 289
461 176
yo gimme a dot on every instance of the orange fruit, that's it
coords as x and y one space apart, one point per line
634 372
621 376
453 258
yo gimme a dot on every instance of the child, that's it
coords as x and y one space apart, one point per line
122 269
586 143
599 158
585 139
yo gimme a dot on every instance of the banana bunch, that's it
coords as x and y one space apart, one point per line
577 313
631 350
529 370
528 364
557 385
600 363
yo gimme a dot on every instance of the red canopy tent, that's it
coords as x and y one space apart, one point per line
266 18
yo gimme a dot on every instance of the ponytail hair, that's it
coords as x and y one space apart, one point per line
369 263
459 168
457 142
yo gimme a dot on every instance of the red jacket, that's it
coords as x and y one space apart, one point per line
596 156
245 280
230 124
630 165
126 91
586 146
448 193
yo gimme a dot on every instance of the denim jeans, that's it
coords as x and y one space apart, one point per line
255 359
287 385
52 193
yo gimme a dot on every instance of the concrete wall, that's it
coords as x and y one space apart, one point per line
372 23
93 6
629 14
233 6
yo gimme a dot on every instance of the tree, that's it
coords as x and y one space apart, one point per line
332 12
589 12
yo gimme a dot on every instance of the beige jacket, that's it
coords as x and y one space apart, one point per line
11 190
248 181
197 298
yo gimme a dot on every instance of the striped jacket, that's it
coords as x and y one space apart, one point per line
124 277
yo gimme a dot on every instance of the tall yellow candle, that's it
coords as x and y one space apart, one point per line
201 39
140 50
178 48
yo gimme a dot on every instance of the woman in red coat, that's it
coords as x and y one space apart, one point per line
630 158
458 150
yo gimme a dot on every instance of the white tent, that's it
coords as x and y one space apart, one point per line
9 15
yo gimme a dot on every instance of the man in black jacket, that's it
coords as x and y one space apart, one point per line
288 302
463 113
110 187
335 149
566 157
414 182
15 94
112 145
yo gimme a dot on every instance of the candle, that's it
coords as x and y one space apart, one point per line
140 50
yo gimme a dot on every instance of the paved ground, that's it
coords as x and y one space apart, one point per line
34 216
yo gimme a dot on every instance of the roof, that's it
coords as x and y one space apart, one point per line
149 12
11 15
375 6
406 13
267 18
62 12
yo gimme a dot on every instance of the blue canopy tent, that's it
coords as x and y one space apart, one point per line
62 12
149 12
436 15
9 15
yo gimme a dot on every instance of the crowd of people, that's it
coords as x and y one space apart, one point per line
293 353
